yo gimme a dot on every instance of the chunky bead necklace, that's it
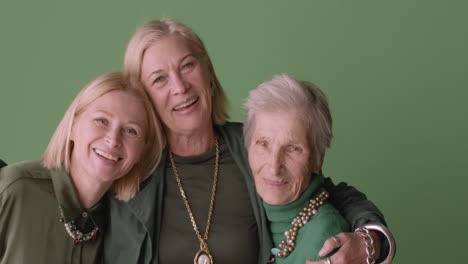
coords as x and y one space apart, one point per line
75 233
287 245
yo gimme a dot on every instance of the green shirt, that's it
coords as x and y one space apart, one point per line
135 226
30 227
233 226
310 238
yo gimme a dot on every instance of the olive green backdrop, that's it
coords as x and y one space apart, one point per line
395 73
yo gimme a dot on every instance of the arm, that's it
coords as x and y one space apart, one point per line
358 211
353 204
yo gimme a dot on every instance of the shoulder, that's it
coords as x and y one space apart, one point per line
15 174
233 128
330 220
323 225
231 132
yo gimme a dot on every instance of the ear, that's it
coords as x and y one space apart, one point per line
72 130
317 168
72 133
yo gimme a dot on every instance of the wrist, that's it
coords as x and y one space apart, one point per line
380 231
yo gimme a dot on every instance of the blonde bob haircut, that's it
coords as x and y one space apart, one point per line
57 154
284 93
155 30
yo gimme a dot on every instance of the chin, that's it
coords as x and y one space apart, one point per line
274 199
108 177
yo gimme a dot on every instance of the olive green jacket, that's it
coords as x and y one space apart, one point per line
30 227
134 226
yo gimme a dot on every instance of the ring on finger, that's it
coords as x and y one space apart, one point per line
327 261
337 241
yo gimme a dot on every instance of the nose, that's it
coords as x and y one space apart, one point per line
276 161
179 84
113 138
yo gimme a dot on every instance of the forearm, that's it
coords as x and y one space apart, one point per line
353 204
358 211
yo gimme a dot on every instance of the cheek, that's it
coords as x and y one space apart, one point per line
255 161
155 95
136 150
300 171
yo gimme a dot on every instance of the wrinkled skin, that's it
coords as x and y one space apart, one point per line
352 251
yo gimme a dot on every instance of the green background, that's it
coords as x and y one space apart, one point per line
395 73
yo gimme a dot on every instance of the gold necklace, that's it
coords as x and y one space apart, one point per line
203 255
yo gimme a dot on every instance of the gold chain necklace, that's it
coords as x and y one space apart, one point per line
203 255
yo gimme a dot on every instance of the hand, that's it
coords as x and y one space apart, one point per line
352 250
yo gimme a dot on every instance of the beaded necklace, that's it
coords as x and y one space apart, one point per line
286 246
75 233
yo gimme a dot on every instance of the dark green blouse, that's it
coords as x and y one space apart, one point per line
233 226
30 227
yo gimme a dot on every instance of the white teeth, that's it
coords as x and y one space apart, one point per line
185 104
106 155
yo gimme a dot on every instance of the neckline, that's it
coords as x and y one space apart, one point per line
204 157
279 213
67 199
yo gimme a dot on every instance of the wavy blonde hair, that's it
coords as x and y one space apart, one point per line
57 154
155 30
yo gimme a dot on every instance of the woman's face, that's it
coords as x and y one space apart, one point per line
108 137
280 157
178 83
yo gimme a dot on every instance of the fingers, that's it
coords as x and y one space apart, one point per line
352 250
323 261
332 243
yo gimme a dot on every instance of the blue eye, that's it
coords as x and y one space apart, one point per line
294 149
101 121
262 143
159 79
187 66
131 132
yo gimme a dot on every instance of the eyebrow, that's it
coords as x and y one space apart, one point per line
183 58
109 114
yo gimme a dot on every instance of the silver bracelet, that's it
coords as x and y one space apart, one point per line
370 250
391 240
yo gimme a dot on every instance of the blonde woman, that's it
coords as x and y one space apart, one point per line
54 210
200 204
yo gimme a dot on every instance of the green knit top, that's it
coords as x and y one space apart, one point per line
310 238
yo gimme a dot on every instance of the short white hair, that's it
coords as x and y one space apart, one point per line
285 93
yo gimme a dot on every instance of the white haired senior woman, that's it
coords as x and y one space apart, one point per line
202 191
287 130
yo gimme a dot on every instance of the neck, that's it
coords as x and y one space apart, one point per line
89 192
192 144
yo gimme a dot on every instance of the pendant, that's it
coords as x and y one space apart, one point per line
203 256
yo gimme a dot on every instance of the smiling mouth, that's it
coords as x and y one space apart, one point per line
106 155
275 182
186 104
